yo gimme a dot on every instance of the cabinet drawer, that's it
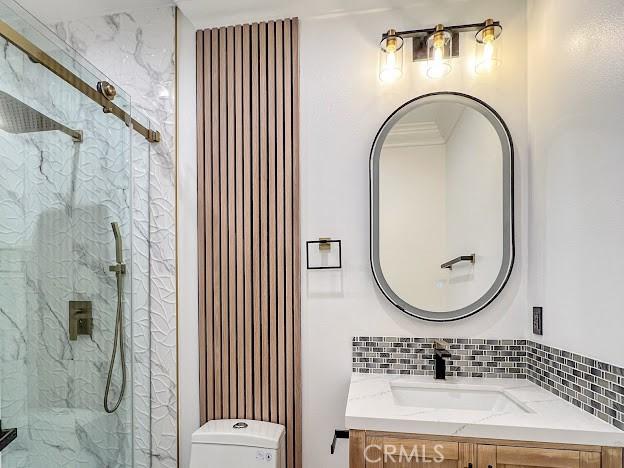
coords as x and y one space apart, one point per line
520 457
395 452
429 449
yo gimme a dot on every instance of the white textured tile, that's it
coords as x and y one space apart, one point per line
57 200
136 50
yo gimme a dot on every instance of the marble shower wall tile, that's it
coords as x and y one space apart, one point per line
140 324
136 50
58 200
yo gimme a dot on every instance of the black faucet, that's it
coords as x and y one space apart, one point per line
440 352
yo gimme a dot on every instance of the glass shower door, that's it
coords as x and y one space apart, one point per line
65 178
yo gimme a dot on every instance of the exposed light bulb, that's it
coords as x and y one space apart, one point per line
391 58
437 68
438 63
438 54
488 45
488 54
389 71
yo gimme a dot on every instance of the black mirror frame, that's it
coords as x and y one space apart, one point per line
508 207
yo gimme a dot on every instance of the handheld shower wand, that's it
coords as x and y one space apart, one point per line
118 244
119 268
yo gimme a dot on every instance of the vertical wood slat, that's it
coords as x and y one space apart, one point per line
280 222
247 215
290 358
264 240
216 224
255 202
231 221
248 225
204 375
272 163
223 217
239 226
208 229
296 306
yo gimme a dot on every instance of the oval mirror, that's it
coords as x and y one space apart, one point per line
442 215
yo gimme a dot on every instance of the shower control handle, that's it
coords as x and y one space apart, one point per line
80 319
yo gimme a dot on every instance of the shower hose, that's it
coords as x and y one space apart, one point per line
119 270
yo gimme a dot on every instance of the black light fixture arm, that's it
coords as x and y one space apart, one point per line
473 27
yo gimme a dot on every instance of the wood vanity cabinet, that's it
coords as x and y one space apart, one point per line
369 449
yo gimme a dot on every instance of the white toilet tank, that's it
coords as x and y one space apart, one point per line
238 443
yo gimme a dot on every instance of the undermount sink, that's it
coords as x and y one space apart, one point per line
440 395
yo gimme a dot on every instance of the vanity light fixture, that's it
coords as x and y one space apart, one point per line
438 46
390 57
487 51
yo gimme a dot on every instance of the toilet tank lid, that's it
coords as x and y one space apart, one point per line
242 432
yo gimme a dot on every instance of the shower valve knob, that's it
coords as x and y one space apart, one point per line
80 319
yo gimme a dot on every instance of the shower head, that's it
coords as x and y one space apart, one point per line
18 117
116 230
118 242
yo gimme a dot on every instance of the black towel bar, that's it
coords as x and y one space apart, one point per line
464 258
338 434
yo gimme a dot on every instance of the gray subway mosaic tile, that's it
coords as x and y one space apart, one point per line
414 356
594 386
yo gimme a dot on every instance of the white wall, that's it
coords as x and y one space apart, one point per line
576 125
575 94
474 207
342 107
188 369
412 224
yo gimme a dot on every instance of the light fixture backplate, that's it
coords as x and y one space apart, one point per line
419 47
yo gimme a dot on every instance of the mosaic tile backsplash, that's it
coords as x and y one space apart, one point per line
591 385
414 356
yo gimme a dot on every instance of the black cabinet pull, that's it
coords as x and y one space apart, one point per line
469 465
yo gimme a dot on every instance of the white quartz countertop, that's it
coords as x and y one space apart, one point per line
373 406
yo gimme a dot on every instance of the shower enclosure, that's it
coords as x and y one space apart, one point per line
72 164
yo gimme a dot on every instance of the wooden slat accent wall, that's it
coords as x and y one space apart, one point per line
248 225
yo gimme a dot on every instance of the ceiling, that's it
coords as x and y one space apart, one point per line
207 13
